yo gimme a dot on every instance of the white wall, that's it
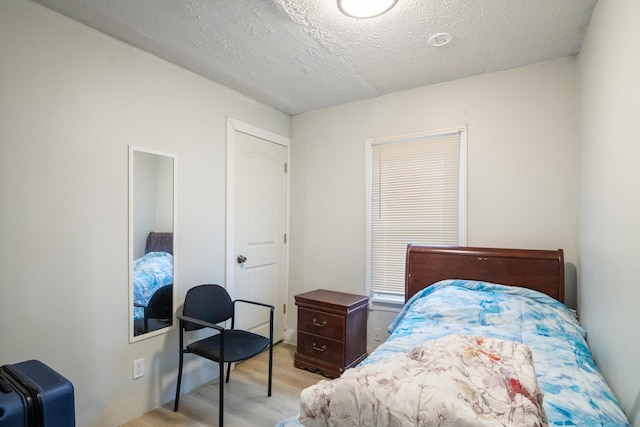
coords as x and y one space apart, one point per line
71 101
609 201
522 177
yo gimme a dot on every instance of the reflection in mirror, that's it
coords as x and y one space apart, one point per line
151 235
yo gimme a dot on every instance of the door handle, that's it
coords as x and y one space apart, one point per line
241 259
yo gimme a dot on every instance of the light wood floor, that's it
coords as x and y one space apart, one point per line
246 401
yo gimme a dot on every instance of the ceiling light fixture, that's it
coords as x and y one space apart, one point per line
363 9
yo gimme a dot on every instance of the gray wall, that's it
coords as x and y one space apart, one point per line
609 208
71 102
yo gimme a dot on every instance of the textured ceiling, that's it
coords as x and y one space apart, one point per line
299 55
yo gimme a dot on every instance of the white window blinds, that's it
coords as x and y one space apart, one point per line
415 198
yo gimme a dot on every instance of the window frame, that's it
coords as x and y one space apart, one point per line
462 197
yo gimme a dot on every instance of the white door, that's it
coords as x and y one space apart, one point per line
259 232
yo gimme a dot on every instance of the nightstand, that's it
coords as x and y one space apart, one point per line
332 331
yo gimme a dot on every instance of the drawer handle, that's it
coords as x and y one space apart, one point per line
319 325
324 347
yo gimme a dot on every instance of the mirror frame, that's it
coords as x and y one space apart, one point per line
132 337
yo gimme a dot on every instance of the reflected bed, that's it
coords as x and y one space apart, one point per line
153 276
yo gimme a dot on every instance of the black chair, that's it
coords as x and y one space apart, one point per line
158 313
206 306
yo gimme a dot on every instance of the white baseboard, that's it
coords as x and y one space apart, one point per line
291 336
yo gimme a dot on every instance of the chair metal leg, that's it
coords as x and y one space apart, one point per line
177 401
270 367
270 349
221 402
228 371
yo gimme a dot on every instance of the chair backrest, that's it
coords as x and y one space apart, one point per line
210 303
161 304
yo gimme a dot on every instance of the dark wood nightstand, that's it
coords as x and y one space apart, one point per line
332 331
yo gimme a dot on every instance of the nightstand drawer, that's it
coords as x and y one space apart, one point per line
320 348
320 323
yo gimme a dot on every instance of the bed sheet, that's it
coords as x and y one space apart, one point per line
150 272
575 393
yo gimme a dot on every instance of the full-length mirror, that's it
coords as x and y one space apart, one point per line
152 178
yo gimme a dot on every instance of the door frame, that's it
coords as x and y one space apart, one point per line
234 126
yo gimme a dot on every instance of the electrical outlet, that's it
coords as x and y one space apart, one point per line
138 368
377 335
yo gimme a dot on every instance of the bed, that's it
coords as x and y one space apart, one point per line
483 339
152 283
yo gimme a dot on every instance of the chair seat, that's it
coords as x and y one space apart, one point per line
238 345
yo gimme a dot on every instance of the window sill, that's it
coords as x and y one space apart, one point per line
385 302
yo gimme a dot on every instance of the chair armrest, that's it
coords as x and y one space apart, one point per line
269 306
255 303
199 322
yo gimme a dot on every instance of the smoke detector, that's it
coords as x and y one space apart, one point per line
440 39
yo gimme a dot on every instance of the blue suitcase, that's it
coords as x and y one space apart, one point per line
34 395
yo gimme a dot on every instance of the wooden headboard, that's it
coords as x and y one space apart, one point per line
541 270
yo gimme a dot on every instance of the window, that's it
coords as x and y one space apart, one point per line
417 193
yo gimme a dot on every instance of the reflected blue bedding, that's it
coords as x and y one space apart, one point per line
150 272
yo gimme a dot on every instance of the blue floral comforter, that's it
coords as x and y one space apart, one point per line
575 393
150 272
